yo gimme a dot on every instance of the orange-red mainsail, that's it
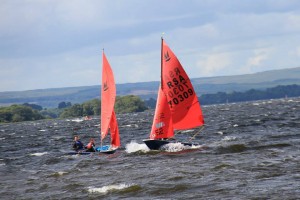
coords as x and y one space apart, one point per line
182 99
108 97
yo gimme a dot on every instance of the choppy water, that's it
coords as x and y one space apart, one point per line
252 153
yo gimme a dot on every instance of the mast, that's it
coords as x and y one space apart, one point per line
161 63
101 99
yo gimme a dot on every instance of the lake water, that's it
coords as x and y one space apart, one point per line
252 151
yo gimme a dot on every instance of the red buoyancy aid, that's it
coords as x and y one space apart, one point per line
90 145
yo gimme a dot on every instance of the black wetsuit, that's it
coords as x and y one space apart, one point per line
77 145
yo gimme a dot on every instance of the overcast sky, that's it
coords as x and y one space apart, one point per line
53 44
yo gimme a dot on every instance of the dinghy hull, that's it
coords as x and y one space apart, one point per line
107 149
79 153
155 144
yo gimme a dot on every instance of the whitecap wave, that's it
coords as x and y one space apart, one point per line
39 154
188 131
176 147
134 147
77 120
2 162
229 138
106 189
60 173
220 132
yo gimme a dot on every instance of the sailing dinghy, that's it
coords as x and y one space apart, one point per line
109 121
177 106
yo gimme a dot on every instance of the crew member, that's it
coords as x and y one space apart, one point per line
90 147
77 145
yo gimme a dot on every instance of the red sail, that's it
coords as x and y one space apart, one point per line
114 131
162 122
108 96
182 99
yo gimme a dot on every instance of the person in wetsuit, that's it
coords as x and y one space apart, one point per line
77 145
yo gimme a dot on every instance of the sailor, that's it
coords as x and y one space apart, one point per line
90 147
77 145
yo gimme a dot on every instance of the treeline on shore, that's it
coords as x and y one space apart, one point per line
30 112
251 95
131 103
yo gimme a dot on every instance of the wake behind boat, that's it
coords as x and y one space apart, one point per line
177 106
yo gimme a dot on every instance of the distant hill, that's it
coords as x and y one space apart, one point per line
52 97
240 83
